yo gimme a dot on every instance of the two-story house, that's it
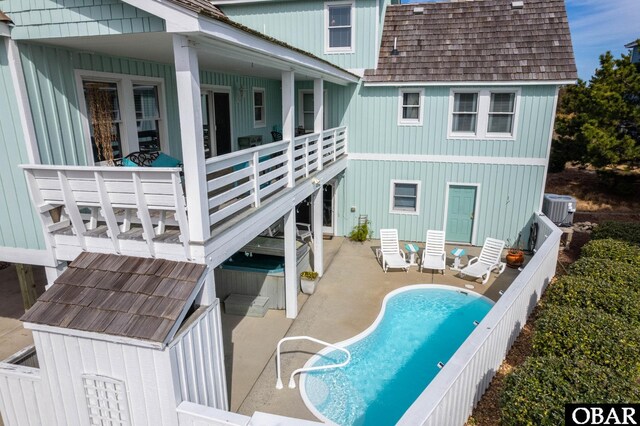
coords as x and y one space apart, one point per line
419 116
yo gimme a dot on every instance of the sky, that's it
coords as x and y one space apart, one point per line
597 26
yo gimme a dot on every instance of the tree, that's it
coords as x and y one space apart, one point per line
599 123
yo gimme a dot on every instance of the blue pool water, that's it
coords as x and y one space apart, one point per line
395 361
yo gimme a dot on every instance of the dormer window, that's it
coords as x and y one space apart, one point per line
339 27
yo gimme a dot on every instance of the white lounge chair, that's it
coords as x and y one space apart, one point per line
489 260
303 231
392 255
433 255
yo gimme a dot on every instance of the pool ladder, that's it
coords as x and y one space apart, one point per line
292 382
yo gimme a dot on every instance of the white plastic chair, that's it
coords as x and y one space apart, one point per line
433 255
392 255
303 231
489 260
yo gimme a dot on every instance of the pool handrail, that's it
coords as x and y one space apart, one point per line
292 382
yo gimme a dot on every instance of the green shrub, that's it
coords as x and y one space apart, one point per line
605 339
621 274
360 232
535 393
612 249
623 231
588 292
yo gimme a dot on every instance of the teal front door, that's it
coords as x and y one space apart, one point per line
461 207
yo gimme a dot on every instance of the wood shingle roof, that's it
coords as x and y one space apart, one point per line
478 40
124 296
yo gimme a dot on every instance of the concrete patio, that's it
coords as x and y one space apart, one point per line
346 302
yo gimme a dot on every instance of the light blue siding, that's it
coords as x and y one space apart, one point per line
19 226
302 24
51 84
38 19
372 116
507 196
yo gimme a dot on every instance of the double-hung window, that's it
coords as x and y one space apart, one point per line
410 112
339 27
259 119
405 197
483 114
145 97
105 122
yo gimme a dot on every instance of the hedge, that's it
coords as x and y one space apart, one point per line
623 231
620 274
613 250
605 339
592 292
535 393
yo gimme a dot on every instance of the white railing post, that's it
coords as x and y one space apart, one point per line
74 213
346 140
107 211
335 143
306 156
318 115
288 122
256 179
143 214
291 277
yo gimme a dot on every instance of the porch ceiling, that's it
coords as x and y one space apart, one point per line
158 47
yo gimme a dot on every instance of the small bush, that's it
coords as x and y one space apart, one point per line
623 231
612 249
309 275
623 275
360 232
535 393
589 292
604 339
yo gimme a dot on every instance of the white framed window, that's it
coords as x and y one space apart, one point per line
410 107
483 113
106 400
405 197
259 112
128 109
339 28
306 113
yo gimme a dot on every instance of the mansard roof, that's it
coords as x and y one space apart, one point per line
476 41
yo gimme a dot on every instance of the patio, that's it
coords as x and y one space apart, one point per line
347 301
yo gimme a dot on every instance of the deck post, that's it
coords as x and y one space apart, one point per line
318 242
53 272
318 115
290 264
288 122
27 285
192 137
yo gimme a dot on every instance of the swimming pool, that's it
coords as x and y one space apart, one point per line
395 359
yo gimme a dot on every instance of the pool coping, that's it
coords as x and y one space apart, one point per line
365 333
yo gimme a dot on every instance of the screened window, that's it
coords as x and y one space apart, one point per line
103 109
145 98
307 111
404 197
465 113
339 26
106 401
258 108
410 107
501 112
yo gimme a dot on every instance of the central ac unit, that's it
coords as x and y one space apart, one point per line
559 208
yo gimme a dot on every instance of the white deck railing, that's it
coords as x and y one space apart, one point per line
451 396
94 208
244 179
21 395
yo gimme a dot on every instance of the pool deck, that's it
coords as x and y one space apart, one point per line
346 302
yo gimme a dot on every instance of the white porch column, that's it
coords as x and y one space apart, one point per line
208 295
288 121
318 242
318 115
188 83
290 264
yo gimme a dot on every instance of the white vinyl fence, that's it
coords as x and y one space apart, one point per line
451 396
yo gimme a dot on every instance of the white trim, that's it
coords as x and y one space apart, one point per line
93 335
376 46
337 50
260 123
548 156
213 89
476 209
128 131
482 114
457 159
22 99
471 83
410 121
392 195
27 256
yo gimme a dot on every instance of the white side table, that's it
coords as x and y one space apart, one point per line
413 251
457 253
